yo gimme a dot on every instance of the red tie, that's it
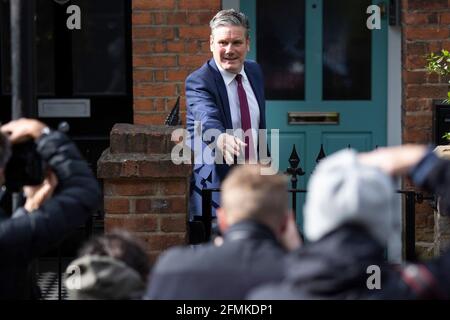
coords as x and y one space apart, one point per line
245 116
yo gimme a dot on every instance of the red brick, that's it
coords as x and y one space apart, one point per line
420 77
160 47
146 187
142 47
175 46
421 220
153 4
429 33
200 4
116 205
155 61
418 104
155 90
417 136
417 121
159 242
113 166
159 105
434 46
426 91
205 46
197 32
176 18
159 18
445 18
142 75
427 4
415 62
159 75
143 105
176 75
176 204
417 48
173 224
411 77
416 18
193 61
151 118
141 18
192 46
132 223
199 18
153 33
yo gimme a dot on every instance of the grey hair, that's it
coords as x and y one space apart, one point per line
230 17
5 150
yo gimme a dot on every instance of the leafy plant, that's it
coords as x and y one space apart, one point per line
440 64
446 136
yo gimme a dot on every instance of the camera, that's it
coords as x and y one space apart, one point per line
25 167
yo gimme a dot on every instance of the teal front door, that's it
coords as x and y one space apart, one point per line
325 76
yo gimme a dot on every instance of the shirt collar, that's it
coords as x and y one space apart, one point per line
228 76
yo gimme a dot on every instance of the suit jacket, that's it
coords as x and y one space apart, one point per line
207 103
249 256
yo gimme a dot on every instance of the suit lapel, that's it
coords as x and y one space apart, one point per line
222 93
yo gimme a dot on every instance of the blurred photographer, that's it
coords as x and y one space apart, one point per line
64 200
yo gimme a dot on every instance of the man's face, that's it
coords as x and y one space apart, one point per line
229 46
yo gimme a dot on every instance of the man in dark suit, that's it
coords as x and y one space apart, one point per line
258 230
225 106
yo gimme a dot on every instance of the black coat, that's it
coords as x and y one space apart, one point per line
24 236
335 267
249 256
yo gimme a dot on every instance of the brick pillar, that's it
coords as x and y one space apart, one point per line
170 40
426 29
144 192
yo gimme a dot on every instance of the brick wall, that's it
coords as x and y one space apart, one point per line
426 28
144 192
170 40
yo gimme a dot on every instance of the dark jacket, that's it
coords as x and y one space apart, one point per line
335 267
25 236
249 256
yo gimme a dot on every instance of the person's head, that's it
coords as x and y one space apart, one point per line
248 195
343 191
5 154
112 266
120 245
229 39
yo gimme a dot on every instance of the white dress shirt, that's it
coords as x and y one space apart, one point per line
233 99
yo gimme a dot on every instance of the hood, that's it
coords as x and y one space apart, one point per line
94 277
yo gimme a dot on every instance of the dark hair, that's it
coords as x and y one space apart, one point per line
5 150
122 246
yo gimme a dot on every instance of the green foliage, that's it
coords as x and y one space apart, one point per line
446 136
440 64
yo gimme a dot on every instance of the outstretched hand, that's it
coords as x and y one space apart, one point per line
230 146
